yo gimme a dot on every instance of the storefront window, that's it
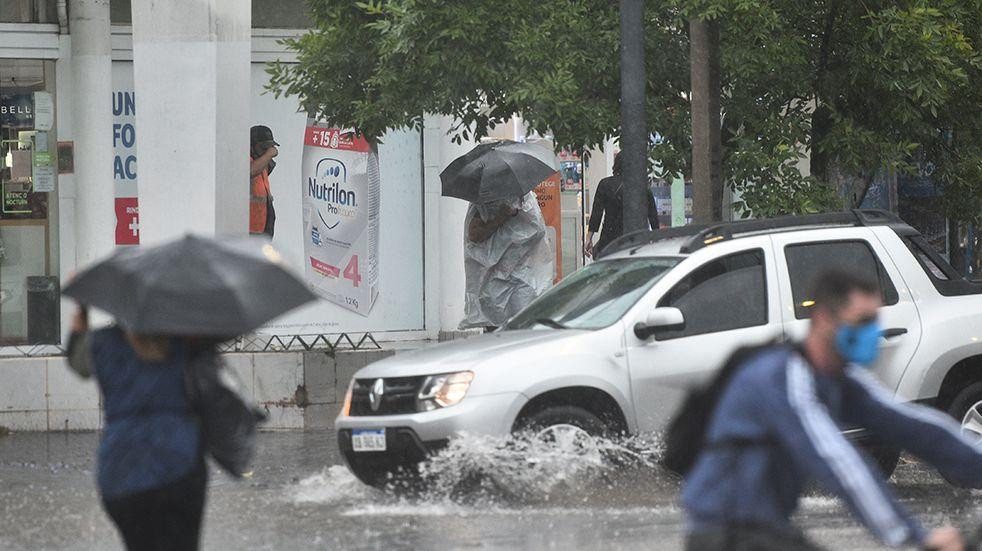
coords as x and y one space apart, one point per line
266 14
28 11
280 14
28 206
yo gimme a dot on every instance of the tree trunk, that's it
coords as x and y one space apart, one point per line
707 151
634 132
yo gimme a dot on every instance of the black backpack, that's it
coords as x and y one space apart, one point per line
686 433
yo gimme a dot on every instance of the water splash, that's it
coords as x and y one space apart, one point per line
487 473
335 485
525 468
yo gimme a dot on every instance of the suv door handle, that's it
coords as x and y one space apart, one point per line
895 332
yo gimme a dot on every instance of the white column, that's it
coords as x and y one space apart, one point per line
452 213
432 240
95 220
192 81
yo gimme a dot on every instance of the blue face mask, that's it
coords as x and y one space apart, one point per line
859 344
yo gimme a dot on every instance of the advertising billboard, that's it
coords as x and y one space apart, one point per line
392 274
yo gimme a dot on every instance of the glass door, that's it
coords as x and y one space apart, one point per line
29 310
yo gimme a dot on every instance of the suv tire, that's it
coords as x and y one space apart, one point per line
562 415
963 401
968 397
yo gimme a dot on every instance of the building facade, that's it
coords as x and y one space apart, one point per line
42 145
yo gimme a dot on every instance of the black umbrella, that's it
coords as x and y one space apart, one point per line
192 286
498 170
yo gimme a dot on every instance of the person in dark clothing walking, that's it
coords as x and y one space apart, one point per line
776 426
151 470
608 206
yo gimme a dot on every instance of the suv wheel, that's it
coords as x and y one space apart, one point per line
562 422
966 408
567 430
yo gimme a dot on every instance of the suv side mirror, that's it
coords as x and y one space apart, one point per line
665 317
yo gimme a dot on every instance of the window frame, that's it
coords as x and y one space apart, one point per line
880 270
660 335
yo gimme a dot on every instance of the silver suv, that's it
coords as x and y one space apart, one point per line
612 348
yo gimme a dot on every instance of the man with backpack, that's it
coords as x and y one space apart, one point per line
771 422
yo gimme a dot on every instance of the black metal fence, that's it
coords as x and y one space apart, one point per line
248 343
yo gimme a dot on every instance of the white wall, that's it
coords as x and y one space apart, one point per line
425 229
399 306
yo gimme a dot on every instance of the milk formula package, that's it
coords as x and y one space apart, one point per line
341 195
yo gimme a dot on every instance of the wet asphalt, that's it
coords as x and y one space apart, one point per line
302 497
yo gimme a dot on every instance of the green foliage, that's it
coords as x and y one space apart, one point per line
887 78
858 85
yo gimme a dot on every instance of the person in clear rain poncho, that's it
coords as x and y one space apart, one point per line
507 260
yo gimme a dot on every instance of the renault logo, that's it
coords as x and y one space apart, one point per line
375 396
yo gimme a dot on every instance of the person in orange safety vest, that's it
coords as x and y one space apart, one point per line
262 217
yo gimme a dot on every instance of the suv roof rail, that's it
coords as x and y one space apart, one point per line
703 235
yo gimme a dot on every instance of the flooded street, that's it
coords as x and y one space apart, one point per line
302 497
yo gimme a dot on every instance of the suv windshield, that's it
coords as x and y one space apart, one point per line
595 296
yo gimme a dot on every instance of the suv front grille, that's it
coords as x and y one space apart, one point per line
399 396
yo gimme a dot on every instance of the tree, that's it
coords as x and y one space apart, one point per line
861 85
707 148
379 65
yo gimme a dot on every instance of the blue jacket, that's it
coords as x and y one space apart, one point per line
151 436
776 398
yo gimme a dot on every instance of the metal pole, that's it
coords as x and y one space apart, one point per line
969 250
582 229
634 134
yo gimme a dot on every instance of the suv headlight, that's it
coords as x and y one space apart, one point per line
346 406
440 391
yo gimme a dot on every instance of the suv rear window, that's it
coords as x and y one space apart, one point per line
807 260
947 280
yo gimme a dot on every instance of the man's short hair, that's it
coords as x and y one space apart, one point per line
831 289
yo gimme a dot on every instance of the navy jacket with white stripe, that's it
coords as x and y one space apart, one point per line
777 399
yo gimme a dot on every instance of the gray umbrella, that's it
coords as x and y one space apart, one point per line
192 286
497 170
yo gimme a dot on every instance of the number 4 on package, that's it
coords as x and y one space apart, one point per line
351 271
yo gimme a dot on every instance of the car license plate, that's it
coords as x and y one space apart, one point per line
372 440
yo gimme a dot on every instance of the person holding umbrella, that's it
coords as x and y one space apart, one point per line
152 473
172 303
507 258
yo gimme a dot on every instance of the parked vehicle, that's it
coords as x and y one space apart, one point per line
613 347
